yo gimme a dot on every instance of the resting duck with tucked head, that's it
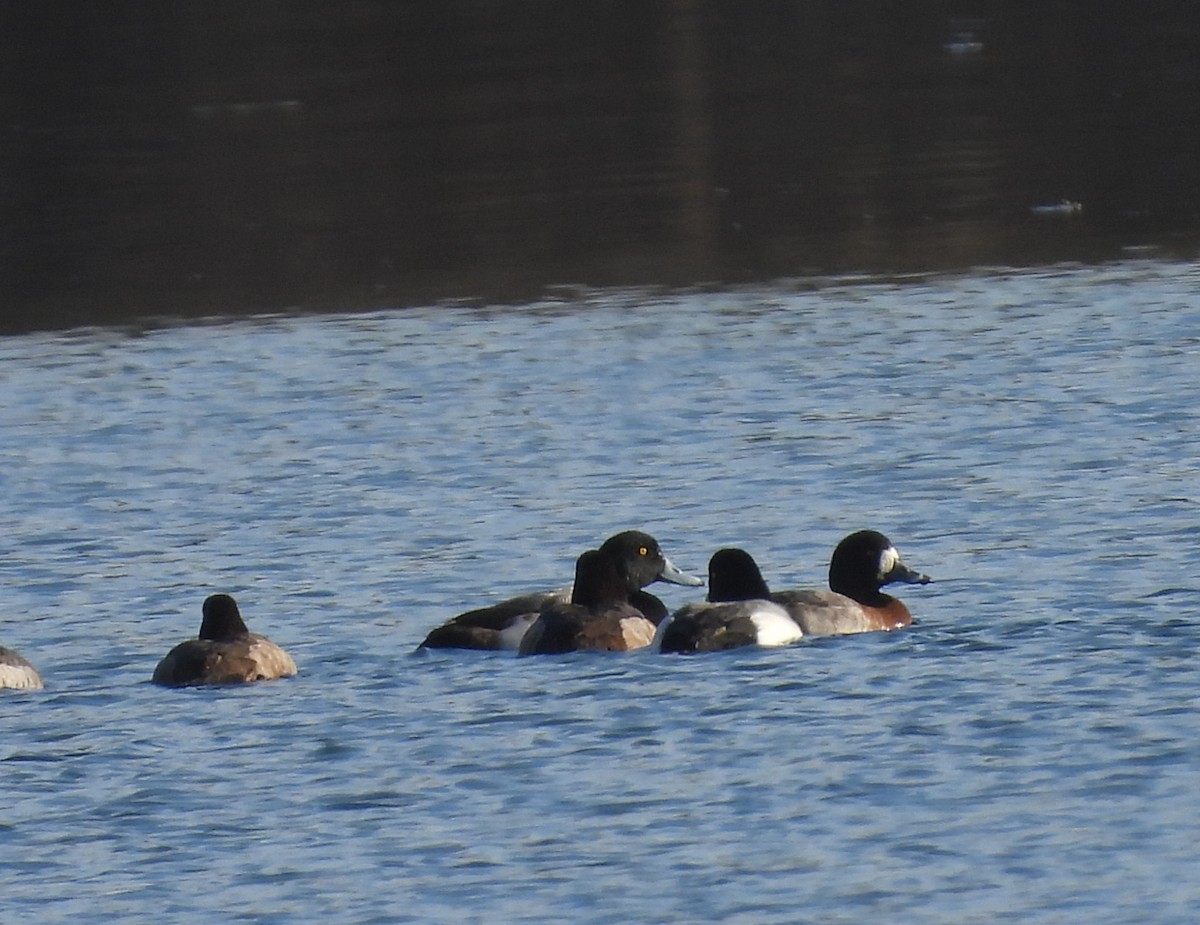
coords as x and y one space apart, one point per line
637 557
599 617
741 610
17 672
225 652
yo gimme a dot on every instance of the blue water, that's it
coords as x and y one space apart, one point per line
1028 753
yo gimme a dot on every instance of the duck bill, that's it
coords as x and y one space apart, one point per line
901 572
674 576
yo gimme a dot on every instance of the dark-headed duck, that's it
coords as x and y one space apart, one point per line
738 611
225 652
18 672
862 563
599 617
636 555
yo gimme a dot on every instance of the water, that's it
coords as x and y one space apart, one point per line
1026 754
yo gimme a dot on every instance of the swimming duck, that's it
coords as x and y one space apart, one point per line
862 563
637 557
225 652
18 672
738 612
599 616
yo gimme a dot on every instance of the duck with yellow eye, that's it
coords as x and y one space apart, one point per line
638 561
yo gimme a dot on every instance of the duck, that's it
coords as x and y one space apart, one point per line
224 652
17 672
862 564
637 556
738 611
599 616
741 610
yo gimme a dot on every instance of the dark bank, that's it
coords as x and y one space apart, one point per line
185 160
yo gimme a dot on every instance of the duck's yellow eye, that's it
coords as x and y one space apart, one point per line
643 551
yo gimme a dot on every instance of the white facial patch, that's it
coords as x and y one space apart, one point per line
887 561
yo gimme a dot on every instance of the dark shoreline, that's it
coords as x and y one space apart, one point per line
256 158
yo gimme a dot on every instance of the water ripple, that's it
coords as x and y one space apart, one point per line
1023 754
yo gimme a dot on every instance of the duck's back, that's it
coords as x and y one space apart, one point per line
238 661
571 627
497 626
703 627
713 627
271 660
827 613
17 672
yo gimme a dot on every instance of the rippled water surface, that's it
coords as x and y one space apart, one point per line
1028 753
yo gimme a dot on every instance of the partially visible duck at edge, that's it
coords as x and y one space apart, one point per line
741 609
17 672
637 557
599 618
225 652
738 611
